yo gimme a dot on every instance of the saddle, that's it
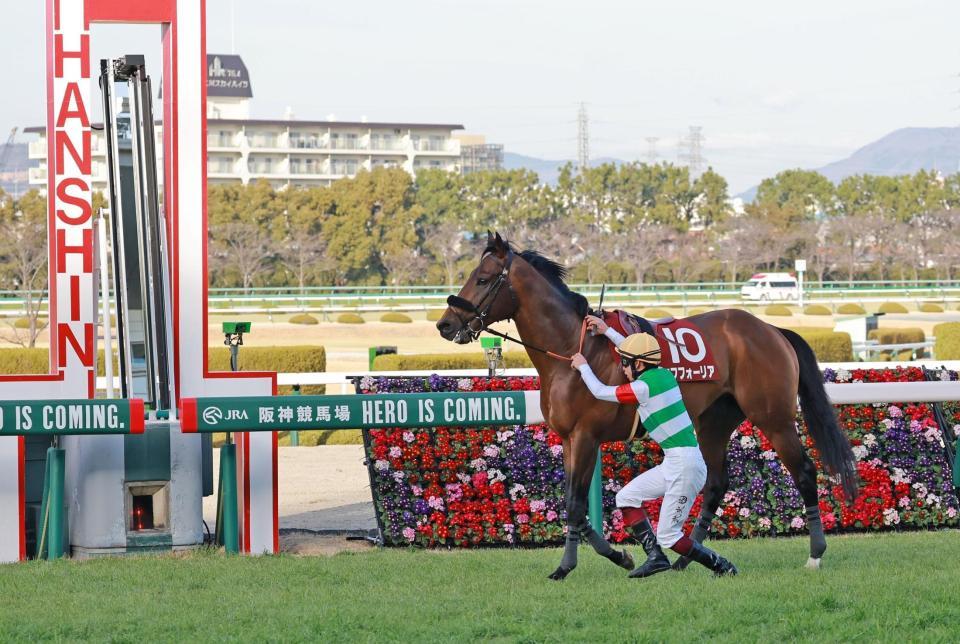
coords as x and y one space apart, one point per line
628 323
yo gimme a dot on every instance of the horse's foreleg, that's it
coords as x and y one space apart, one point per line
580 465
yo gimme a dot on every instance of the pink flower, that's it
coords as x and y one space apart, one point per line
551 515
797 523
894 412
491 451
409 533
538 506
744 512
395 452
523 518
556 450
408 437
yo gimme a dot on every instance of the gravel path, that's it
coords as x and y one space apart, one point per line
322 489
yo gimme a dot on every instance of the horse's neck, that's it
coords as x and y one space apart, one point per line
545 319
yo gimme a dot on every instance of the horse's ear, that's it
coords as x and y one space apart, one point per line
500 246
489 238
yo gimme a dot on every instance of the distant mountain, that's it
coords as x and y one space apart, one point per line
13 168
903 151
547 170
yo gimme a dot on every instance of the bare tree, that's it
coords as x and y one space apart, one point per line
23 249
735 245
405 266
243 247
445 243
643 249
305 253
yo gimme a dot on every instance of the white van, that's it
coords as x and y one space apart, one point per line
771 286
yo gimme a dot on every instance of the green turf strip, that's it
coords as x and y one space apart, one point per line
891 587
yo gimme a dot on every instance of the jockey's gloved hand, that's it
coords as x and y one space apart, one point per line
596 325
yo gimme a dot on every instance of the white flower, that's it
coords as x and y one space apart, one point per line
933 500
747 442
398 477
869 440
494 474
891 517
556 450
478 464
920 488
904 502
797 523
491 451
768 454
368 383
899 476
764 522
408 437
464 477
860 452
395 452
744 512
517 491
843 375
464 384
932 435
504 436
945 375
381 465
951 512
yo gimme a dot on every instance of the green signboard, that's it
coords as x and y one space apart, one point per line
272 413
28 417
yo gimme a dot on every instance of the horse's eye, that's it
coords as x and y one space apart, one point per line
481 281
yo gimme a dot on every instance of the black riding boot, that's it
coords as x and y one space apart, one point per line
656 560
713 561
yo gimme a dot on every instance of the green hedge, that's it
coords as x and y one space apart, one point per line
829 346
897 336
892 307
851 309
303 318
400 318
931 307
816 309
444 361
295 359
434 315
350 318
947 344
778 309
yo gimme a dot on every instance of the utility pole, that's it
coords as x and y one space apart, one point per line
583 139
652 149
691 151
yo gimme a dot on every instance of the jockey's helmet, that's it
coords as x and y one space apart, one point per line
640 346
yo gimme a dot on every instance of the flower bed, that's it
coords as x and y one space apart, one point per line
504 485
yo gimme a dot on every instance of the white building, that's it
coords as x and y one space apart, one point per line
285 152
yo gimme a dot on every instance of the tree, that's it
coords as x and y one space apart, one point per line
444 241
242 247
712 202
23 259
804 192
643 250
735 245
304 248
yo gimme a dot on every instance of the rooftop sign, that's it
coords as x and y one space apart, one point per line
227 76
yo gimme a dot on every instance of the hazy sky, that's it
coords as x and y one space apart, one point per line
774 85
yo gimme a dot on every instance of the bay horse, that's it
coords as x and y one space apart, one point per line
761 372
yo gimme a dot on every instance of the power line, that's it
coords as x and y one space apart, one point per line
583 139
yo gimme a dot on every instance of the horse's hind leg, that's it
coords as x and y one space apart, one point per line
579 467
785 440
714 427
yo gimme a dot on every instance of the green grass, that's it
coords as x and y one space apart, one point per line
871 588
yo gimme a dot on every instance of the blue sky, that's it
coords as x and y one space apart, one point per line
774 85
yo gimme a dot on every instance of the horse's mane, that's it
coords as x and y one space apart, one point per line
553 272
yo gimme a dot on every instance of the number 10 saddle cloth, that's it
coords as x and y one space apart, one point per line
683 348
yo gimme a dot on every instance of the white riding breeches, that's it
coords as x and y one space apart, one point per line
678 479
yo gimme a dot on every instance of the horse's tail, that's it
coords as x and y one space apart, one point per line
821 419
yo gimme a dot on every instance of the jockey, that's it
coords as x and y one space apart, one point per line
681 475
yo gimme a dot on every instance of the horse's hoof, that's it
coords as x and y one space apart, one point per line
681 563
559 574
627 562
813 563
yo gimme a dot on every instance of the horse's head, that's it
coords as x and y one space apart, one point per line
485 298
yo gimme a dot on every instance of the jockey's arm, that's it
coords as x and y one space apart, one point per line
614 336
628 393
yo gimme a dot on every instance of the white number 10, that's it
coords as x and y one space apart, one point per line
683 340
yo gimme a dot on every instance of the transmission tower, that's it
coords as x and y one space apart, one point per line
652 149
583 139
691 151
